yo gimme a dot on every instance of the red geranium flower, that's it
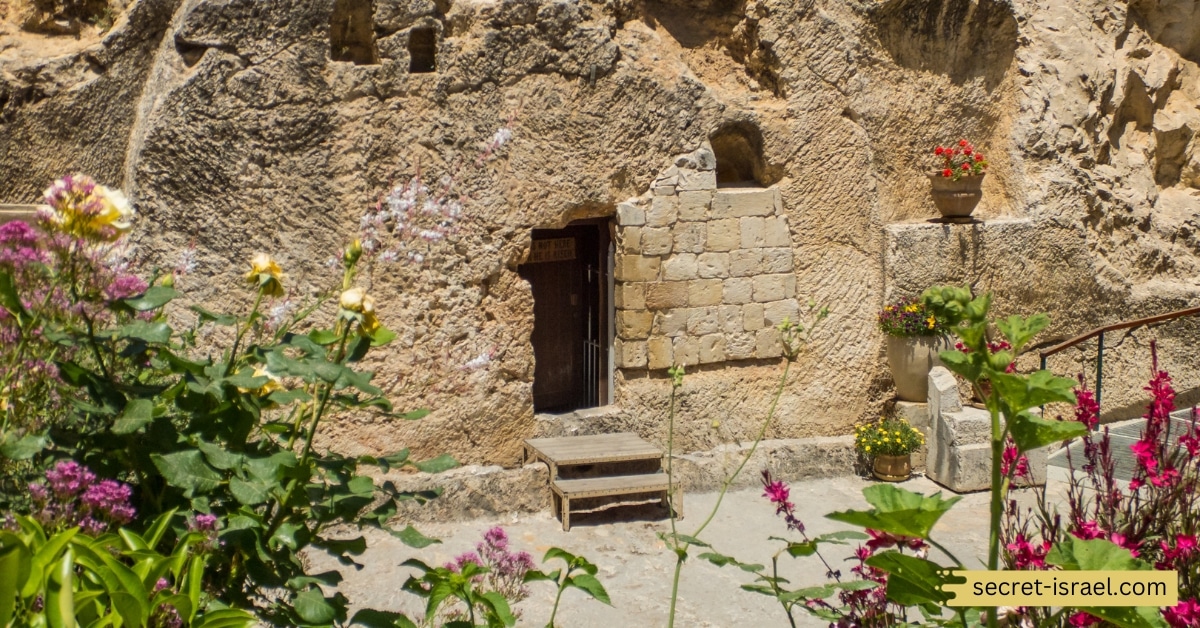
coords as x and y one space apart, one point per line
947 173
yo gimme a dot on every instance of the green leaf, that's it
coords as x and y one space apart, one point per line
60 591
249 493
285 397
25 448
898 511
225 320
1019 331
152 299
721 560
187 470
157 529
327 578
412 538
157 333
137 414
499 607
912 580
382 336
961 364
323 337
10 299
371 618
442 463
313 608
590 585
1022 392
1030 432
10 568
415 415
690 540
1075 554
219 457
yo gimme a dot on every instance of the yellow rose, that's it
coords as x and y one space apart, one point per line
358 301
273 383
265 275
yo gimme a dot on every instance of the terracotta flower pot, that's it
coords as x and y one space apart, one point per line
892 468
910 360
956 199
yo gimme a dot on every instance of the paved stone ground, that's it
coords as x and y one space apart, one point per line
636 567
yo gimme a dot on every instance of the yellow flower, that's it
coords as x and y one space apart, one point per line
265 275
80 207
356 300
273 383
911 307
888 308
867 448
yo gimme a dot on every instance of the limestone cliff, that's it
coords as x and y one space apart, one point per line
270 125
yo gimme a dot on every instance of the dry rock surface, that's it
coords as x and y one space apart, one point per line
240 126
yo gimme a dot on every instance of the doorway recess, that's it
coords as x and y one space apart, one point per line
570 272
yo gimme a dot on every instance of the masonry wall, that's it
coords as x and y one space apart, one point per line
703 274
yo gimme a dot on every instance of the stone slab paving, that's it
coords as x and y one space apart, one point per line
636 567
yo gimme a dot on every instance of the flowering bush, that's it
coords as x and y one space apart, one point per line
71 497
960 161
908 317
229 437
1155 517
889 437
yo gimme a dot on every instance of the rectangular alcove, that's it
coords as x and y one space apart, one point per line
352 32
570 273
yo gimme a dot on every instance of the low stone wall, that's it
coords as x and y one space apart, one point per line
475 491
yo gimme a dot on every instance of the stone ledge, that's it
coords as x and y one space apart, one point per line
477 491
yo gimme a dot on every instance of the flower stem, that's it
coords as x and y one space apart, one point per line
242 332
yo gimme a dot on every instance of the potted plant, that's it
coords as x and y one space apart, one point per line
957 184
914 337
889 444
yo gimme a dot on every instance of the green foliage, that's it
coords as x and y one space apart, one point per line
231 433
1075 554
69 579
440 586
578 573
898 511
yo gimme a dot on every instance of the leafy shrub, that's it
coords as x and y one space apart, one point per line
226 434
69 577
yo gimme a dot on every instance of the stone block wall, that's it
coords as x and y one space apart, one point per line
703 275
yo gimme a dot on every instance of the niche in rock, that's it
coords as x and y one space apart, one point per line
422 50
738 149
352 32
963 39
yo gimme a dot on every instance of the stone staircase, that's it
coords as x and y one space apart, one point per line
958 440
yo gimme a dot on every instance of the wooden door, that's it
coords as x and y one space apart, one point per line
570 318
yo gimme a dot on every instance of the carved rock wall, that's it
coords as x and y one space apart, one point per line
269 125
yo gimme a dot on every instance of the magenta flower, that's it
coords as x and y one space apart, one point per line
1088 530
1185 614
778 493
1027 555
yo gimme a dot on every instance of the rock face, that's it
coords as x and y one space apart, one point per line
241 126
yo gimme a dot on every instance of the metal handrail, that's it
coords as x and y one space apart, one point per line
1100 331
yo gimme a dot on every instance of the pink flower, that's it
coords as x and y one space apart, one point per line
1119 539
1026 555
778 493
1081 619
1185 614
1088 530
1012 460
